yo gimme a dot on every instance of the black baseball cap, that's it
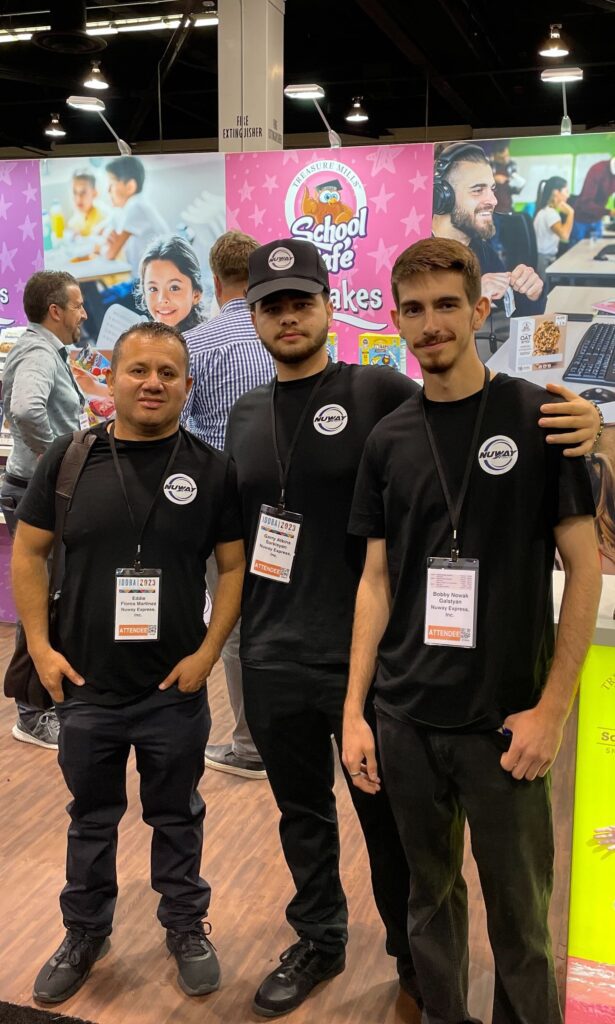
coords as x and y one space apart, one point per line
286 265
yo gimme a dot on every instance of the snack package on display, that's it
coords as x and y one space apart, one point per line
92 361
538 342
382 350
99 410
331 346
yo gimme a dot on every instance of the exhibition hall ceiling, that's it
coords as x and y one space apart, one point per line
445 62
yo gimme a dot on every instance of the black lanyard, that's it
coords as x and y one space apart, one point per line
454 511
284 470
118 470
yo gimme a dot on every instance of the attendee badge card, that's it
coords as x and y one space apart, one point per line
84 421
451 601
137 604
276 543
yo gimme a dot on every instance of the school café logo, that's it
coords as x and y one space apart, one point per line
180 489
326 205
281 259
330 419
498 455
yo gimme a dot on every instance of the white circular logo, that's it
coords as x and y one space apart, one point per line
281 259
498 454
330 419
180 489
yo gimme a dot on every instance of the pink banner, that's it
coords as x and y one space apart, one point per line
21 235
360 206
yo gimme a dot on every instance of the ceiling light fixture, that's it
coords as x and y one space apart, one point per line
54 128
314 93
95 78
562 74
554 45
111 28
93 105
357 113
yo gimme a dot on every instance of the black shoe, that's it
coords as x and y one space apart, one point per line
222 758
302 967
199 970
68 968
408 980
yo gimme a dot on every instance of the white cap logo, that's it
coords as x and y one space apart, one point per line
498 455
330 419
281 259
180 489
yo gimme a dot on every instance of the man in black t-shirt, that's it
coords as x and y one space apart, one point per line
297 612
462 502
131 658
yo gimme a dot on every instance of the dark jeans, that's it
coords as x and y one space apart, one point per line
169 732
435 779
292 712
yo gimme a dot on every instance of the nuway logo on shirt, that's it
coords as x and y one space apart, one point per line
180 489
498 455
330 419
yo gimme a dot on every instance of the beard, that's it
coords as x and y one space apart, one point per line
300 351
467 223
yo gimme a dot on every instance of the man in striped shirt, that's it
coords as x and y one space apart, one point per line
226 360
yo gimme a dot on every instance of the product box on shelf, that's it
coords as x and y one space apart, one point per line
538 342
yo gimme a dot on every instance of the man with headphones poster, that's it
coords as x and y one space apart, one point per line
464 202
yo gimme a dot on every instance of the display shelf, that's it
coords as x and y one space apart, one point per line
5 450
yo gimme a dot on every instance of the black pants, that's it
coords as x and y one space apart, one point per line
292 712
169 732
435 779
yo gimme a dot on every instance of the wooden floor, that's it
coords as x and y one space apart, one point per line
135 983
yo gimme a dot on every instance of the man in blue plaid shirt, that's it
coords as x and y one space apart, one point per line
226 360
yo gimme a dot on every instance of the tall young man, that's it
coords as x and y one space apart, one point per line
297 444
463 502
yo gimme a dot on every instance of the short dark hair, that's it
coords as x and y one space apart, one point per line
433 254
44 289
85 175
127 168
152 329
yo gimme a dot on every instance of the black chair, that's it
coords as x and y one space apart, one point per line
516 235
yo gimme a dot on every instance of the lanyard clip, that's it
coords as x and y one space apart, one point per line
454 547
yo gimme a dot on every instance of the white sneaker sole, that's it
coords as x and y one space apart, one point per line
25 737
229 769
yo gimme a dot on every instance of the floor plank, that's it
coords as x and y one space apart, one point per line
136 981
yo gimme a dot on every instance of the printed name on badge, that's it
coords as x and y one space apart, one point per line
331 419
498 455
180 489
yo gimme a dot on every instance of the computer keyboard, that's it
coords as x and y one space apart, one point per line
594 359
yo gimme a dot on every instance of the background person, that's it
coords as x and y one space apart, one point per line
471 704
41 401
146 484
87 218
590 205
170 284
553 220
508 181
227 359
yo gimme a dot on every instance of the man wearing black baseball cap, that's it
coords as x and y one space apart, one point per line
297 443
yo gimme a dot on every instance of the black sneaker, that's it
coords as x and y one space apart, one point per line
303 967
199 970
221 758
68 968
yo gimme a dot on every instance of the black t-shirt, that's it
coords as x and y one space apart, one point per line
99 538
512 505
310 618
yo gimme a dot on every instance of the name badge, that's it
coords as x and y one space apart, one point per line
276 543
84 421
137 604
451 602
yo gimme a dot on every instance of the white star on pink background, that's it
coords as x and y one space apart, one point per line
27 228
4 206
6 258
381 201
246 191
412 222
418 181
384 159
270 183
383 255
30 193
257 215
6 170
